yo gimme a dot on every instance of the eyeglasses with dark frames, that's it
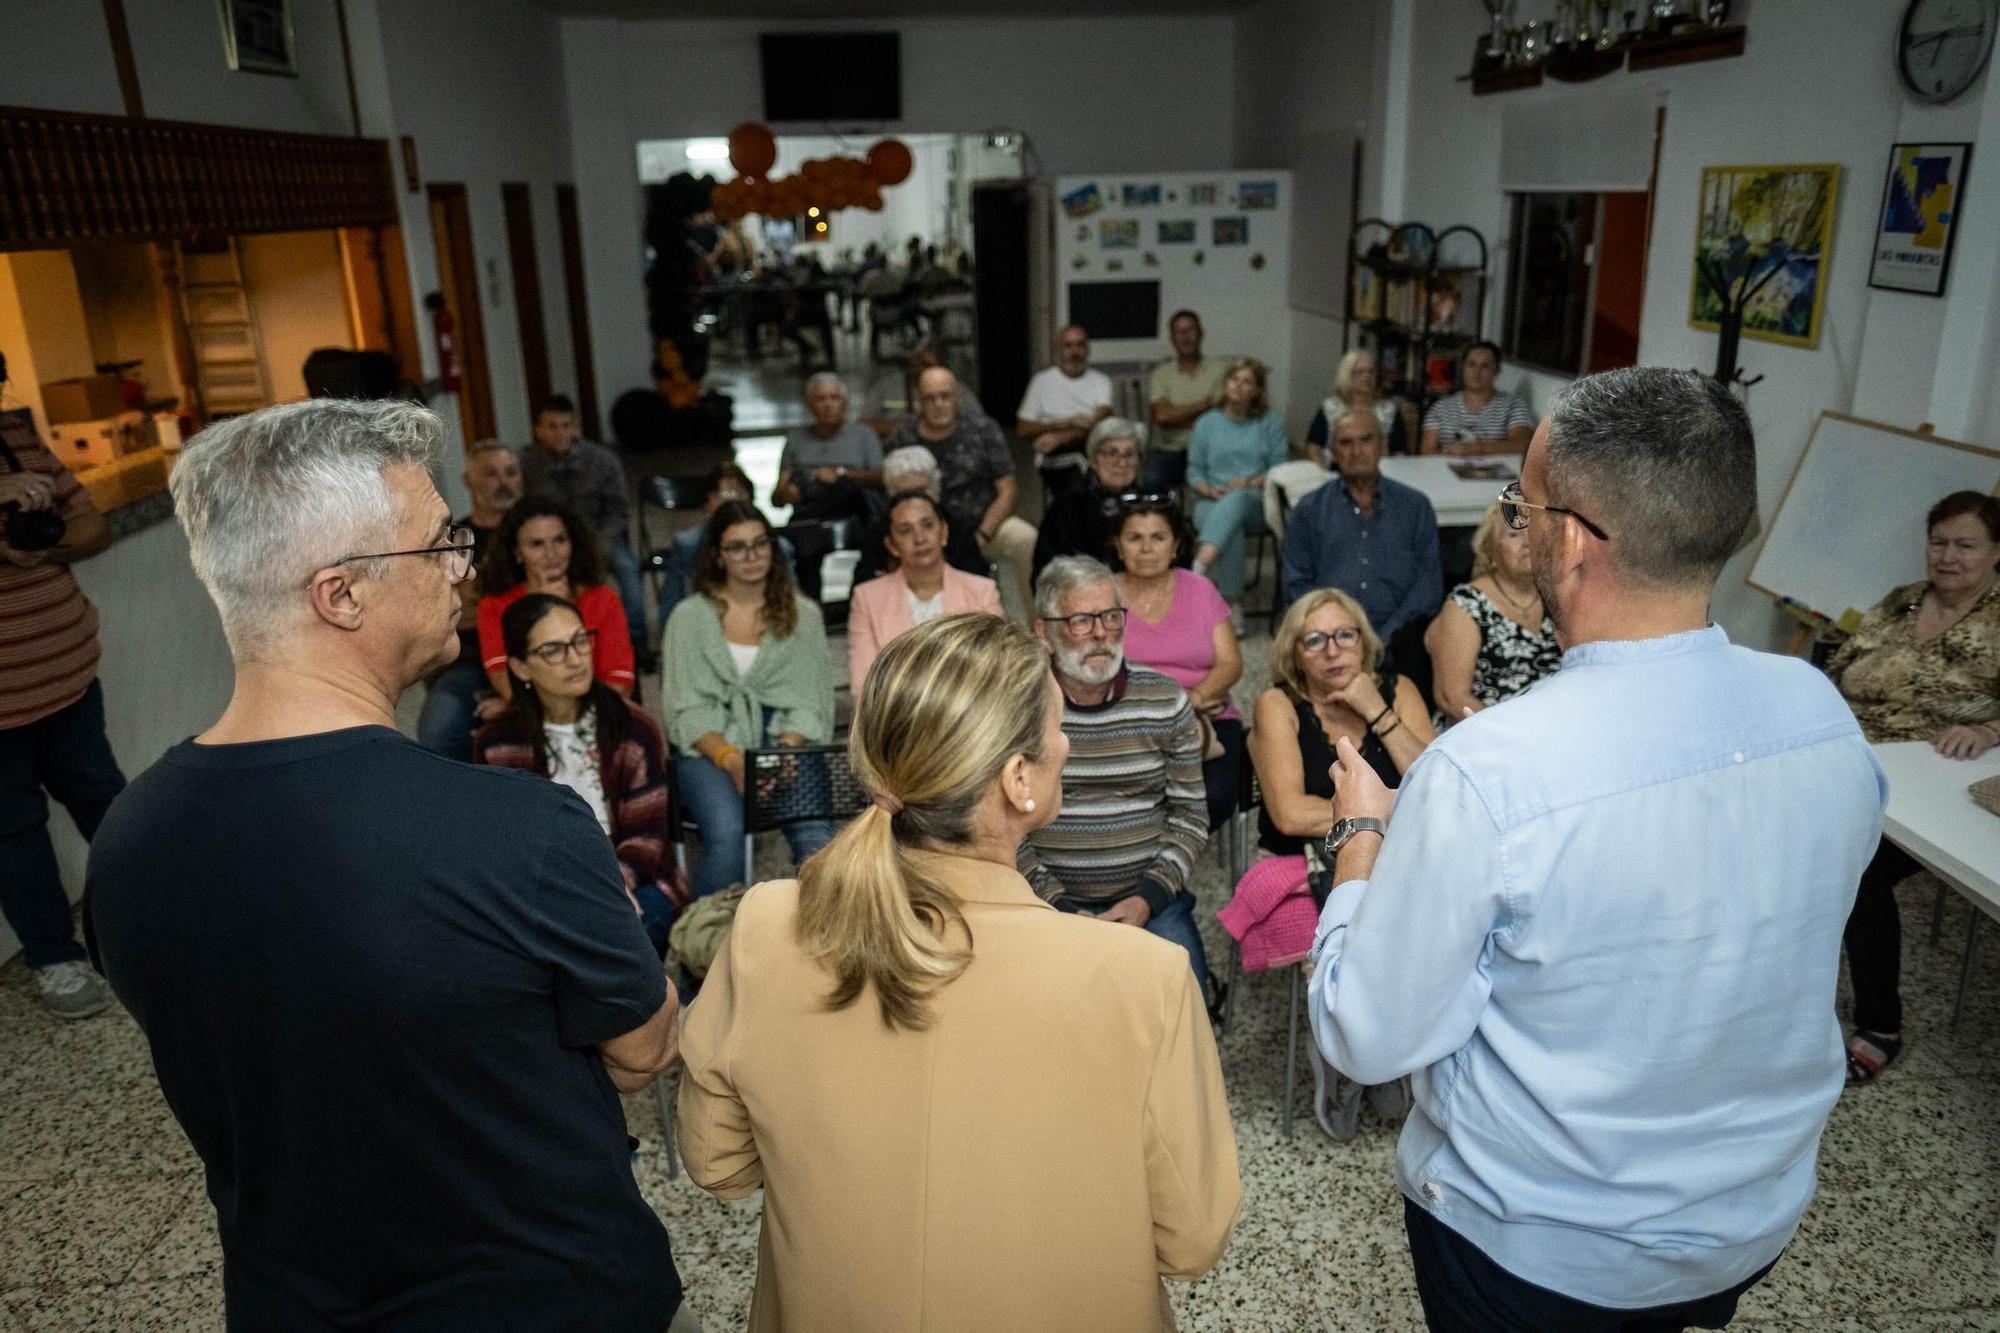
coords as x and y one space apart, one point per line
1133 499
457 550
1080 624
556 651
744 550
1514 512
1315 641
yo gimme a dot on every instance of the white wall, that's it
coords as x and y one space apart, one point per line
1814 85
1137 94
1327 65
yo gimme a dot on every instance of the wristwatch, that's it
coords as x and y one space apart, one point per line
1344 830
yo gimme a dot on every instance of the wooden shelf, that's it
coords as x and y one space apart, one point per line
1506 79
1572 65
1686 48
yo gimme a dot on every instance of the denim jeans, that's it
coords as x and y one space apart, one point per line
1175 922
624 567
64 755
1165 470
656 913
445 725
718 808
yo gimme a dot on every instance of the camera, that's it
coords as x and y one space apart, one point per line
31 529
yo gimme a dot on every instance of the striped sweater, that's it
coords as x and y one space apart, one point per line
1134 816
48 628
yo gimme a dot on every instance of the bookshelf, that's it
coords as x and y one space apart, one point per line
1416 297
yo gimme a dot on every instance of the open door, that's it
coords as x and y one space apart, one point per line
458 284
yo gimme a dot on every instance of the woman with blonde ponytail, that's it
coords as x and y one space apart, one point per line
966 1110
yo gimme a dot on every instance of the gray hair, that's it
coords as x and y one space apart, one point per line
1064 575
1664 461
1109 429
912 460
826 377
270 498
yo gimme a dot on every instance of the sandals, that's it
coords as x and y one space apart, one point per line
1869 1053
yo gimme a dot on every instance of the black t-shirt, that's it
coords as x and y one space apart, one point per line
373 981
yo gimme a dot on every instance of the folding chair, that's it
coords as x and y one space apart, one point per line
793 784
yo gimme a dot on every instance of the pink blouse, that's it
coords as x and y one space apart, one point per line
1181 644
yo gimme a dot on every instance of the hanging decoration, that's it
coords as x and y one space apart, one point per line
825 184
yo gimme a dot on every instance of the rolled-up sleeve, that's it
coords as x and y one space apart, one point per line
1401 971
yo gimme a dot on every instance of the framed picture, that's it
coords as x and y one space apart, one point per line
1919 220
1254 196
257 36
1231 231
1142 196
1118 233
1767 229
1178 231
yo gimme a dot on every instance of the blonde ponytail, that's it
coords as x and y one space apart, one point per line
944 708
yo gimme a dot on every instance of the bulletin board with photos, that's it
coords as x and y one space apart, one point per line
1133 248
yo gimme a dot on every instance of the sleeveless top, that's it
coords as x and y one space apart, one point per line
1511 656
1316 753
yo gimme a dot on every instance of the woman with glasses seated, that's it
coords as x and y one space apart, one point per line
1923 665
1493 638
1078 520
744 666
542 547
1178 624
1325 661
564 724
1233 446
919 587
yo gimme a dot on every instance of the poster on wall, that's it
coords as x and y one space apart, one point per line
1232 231
1142 196
1919 219
1118 233
1177 231
1768 232
1257 196
1083 201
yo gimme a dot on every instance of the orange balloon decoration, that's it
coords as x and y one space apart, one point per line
889 162
753 150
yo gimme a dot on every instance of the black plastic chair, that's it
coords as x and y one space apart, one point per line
793 784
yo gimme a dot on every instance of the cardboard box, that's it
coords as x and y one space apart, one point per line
86 444
91 398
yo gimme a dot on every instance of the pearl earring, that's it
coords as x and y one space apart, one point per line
1031 805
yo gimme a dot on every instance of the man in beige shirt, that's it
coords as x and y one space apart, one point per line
1179 391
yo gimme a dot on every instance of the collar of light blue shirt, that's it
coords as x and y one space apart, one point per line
1618 652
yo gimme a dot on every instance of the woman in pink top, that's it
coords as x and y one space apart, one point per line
920 586
1178 624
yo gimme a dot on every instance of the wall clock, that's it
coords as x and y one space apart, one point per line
1943 45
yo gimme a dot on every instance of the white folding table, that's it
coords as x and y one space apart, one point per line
1459 503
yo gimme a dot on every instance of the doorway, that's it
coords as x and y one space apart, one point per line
458 288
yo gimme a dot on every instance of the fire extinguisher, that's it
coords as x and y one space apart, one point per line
450 375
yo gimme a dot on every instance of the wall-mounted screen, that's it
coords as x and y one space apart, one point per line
832 76
1116 309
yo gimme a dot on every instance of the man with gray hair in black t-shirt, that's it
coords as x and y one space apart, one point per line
392 999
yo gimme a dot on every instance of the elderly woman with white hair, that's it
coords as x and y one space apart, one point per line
1357 387
1079 520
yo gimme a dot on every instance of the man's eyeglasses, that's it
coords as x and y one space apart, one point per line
1514 509
744 550
1131 499
457 551
558 650
1083 622
1315 641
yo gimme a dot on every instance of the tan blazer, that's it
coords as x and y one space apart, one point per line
1056 1140
879 610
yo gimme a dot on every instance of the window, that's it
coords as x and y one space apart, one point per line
1576 274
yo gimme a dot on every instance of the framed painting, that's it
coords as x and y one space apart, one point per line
257 36
1919 219
1765 234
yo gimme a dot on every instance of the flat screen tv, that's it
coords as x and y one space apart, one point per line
1116 309
832 76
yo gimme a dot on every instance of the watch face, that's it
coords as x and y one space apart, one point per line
1943 45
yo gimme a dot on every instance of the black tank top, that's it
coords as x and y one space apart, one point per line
1316 753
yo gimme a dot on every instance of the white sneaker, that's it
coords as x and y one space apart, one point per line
72 990
1236 621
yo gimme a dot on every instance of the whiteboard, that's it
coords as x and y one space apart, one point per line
1851 524
1164 227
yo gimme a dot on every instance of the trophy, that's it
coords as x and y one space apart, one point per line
1607 36
1499 11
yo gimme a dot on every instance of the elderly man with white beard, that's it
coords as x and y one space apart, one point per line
1134 816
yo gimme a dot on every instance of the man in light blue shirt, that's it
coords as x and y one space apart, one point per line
1604 931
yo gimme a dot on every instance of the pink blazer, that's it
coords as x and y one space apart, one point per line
880 611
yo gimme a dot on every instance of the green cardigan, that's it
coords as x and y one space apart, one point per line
701 691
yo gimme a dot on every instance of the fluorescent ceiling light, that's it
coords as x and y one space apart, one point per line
708 150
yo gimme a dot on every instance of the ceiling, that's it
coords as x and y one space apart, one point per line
876 9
